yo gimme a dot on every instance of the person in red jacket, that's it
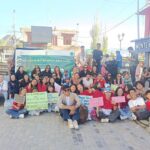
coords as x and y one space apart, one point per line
109 112
147 95
42 86
93 92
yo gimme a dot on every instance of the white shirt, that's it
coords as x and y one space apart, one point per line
68 101
87 83
138 102
3 86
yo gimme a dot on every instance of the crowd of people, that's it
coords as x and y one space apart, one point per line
96 80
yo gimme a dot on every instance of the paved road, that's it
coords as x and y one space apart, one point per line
49 132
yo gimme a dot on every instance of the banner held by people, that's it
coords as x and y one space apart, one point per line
36 101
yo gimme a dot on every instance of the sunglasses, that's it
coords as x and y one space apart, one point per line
67 90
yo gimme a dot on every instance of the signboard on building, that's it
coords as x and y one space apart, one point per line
30 58
142 45
41 34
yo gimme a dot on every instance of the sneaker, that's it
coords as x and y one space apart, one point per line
133 117
10 116
123 117
105 120
37 113
75 124
70 124
21 116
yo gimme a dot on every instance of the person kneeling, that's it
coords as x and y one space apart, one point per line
69 107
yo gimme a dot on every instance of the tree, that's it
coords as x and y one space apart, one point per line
95 34
105 44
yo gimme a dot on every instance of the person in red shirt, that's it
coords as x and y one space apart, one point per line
42 86
99 82
17 110
147 95
109 112
92 92
31 86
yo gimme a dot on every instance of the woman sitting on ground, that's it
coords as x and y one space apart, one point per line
123 107
109 112
17 110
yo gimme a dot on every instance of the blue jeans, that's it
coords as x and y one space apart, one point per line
125 112
16 113
65 114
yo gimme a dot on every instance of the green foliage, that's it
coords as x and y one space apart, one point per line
95 33
105 44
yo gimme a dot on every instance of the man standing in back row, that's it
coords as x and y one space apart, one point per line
97 57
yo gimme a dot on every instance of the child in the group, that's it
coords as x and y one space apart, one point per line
17 110
147 95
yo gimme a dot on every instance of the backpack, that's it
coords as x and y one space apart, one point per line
83 111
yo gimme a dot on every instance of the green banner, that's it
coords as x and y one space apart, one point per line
29 59
36 101
53 98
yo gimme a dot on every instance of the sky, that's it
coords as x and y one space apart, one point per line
66 14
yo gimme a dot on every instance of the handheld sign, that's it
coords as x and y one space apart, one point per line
36 101
57 87
85 100
95 102
118 99
114 87
53 98
19 99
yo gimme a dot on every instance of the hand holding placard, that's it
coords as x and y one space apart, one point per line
96 102
118 99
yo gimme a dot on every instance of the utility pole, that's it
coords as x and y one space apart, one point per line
138 19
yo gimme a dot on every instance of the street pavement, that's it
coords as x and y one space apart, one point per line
49 132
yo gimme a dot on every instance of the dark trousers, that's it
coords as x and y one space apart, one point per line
114 115
142 114
132 72
98 64
65 114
